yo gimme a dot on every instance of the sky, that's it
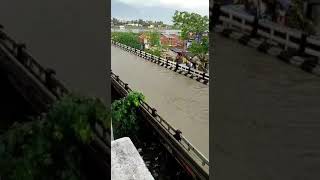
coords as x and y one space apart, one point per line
156 10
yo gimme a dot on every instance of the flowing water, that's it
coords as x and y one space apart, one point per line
266 122
181 101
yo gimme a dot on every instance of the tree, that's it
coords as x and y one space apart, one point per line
128 38
197 25
200 49
51 147
191 23
124 114
154 38
297 19
140 21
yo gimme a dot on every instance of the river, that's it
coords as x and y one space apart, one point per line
181 101
266 122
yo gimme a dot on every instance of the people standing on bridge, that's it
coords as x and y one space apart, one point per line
189 64
177 135
179 58
281 14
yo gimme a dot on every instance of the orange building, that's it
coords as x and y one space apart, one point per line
171 40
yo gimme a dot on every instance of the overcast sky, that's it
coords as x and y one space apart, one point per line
156 9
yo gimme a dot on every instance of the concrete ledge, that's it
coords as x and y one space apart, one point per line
126 162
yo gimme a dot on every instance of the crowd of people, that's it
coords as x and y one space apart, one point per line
273 10
297 14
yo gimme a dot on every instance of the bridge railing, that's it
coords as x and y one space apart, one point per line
187 146
168 63
46 77
231 17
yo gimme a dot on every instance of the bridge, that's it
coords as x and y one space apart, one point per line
268 122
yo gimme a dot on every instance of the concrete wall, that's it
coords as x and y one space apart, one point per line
126 163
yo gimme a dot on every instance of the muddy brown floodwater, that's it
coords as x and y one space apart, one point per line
181 101
266 125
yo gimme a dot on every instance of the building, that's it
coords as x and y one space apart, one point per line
145 40
171 40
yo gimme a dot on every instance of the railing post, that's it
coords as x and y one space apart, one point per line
167 62
1 33
49 73
303 42
177 135
203 75
216 12
154 112
20 56
255 25
177 66
126 87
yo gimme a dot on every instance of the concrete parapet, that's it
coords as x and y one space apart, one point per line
126 162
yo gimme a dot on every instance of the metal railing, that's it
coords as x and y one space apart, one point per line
184 143
231 17
45 76
164 62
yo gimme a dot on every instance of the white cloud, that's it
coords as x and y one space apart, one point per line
197 6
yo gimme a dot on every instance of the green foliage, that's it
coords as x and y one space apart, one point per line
48 148
124 117
190 22
200 49
154 38
165 46
128 38
144 23
154 51
297 20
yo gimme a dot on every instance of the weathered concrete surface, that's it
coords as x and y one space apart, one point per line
126 163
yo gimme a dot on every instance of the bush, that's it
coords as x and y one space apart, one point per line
155 52
124 115
47 148
127 38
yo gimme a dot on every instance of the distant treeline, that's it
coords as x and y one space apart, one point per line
117 22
